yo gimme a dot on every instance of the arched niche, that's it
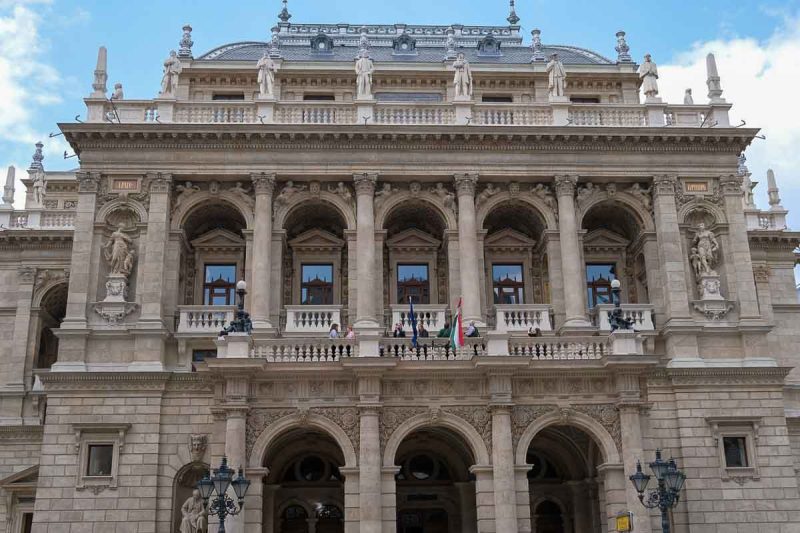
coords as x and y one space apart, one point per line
51 303
185 481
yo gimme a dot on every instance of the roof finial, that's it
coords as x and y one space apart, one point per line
8 190
536 45
622 48
713 81
38 157
284 15
100 74
772 191
275 43
186 43
450 44
512 19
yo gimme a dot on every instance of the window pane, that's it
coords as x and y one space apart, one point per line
316 287
221 272
100 458
598 283
219 285
508 284
735 451
413 283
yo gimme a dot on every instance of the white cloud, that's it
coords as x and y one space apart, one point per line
761 80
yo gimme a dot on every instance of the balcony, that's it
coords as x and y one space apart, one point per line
431 316
304 351
312 319
203 320
641 316
560 348
521 318
431 349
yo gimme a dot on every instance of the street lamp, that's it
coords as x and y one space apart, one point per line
242 322
615 318
666 496
223 505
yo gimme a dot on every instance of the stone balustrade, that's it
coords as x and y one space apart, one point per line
203 320
391 113
560 348
523 317
641 316
37 219
58 220
431 349
304 351
312 319
431 316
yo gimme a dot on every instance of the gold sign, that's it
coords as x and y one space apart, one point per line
696 186
624 522
125 185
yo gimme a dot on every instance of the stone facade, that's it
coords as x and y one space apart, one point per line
119 392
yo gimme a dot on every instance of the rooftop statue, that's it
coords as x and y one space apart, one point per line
648 73
462 82
364 70
687 97
169 82
266 76
118 92
558 76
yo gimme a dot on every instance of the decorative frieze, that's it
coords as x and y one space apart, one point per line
88 181
665 185
392 417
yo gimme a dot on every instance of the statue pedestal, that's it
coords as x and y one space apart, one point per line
655 111
166 109
265 109
712 304
365 110
234 346
95 108
626 342
114 308
463 111
560 106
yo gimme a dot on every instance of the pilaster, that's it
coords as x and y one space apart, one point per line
370 472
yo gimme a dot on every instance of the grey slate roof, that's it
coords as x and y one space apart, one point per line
511 55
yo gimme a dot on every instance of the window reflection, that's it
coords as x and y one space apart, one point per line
316 286
598 283
413 282
219 285
507 284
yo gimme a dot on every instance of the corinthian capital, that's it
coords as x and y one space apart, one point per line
263 183
160 183
88 181
365 183
665 185
566 184
731 185
466 183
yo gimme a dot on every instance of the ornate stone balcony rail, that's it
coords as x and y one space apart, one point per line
312 319
203 320
475 113
523 317
304 351
640 314
38 219
560 348
431 349
431 316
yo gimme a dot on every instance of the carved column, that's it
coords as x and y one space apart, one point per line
15 368
365 237
505 493
264 185
82 240
761 274
370 487
468 251
740 248
671 258
571 265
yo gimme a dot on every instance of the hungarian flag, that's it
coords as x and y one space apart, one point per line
457 330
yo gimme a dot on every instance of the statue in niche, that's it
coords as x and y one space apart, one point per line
118 251
707 246
169 82
194 514
364 70
287 192
558 76
648 73
462 81
266 76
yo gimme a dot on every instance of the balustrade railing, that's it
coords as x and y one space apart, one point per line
512 115
304 351
413 114
641 316
215 112
560 348
204 320
617 115
306 113
431 349
312 319
131 111
523 317
430 316
58 219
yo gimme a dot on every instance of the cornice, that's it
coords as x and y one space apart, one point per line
774 240
21 433
79 382
392 137
725 376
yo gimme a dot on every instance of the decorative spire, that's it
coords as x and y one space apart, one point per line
622 48
713 81
536 45
8 190
38 157
742 169
513 19
275 44
450 43
186 43
101 74
284 15
363 41
772 192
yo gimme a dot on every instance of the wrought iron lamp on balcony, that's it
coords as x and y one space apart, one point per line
242 322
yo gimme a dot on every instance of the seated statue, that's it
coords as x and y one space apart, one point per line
194 515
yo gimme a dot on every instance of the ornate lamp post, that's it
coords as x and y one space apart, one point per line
223 505
615 318
670 483
242 322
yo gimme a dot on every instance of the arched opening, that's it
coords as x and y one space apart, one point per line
52 310
562 481
435 489
304 491
415 266
516 281
185 482
315 270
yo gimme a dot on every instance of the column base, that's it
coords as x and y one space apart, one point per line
577 326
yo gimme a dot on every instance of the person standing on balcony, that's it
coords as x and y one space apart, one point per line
334 332
398 331
350 333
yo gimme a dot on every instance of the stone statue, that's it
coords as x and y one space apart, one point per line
687 97
39 187
194 514
184 192
706 244
287 192
118 251
169 82
462 82
543 192
448 198
197 447
266 76
118 93
555 69
697 262
643 194
487 193
364 70
342 191
648 73
586 192
382 194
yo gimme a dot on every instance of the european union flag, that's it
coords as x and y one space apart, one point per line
413 319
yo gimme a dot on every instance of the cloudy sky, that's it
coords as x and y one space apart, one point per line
48 49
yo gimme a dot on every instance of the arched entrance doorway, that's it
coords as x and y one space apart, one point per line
435 490
562 481
304 491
